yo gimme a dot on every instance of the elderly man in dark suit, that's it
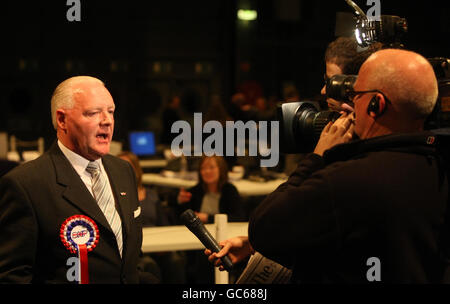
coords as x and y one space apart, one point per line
75 200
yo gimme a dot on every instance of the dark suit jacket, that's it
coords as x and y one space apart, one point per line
38 196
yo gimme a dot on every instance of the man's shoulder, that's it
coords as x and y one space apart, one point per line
113 158
115 161
117 167
370 165
368 158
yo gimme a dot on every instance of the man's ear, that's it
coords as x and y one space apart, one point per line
61 119
377 106
382 103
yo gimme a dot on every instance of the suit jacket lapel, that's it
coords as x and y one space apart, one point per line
76 192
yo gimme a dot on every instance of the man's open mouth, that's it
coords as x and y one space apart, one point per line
103 136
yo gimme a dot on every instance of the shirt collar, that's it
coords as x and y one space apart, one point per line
78 162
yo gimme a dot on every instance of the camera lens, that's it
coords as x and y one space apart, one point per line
301 126
338 86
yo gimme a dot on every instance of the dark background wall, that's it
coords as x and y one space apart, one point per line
146 51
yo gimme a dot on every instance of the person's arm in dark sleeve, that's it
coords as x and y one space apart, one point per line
18 230
234 208
298 217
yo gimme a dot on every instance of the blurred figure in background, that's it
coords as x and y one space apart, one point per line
167 266
212 195
169 116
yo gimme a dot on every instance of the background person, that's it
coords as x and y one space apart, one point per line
212 195
342 56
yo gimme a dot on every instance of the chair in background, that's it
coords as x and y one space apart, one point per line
22 149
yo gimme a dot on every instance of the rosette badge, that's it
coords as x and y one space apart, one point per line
79 234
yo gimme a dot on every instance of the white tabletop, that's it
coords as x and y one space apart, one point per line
245 187
153 163
172 238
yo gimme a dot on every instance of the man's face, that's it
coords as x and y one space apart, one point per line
89 125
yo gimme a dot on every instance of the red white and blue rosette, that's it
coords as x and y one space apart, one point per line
79 234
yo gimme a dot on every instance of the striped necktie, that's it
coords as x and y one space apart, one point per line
105 200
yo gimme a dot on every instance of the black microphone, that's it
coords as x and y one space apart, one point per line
195 225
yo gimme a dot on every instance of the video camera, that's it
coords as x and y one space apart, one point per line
301 123
388 29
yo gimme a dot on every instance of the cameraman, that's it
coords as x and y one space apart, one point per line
383 196
341 57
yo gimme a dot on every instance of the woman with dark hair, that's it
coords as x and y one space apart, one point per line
213 194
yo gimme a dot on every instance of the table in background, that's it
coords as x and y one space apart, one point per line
244 186
153 163
173 238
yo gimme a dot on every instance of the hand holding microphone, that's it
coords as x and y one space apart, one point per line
237 248
195 225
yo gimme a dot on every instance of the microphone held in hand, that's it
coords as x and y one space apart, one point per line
195 225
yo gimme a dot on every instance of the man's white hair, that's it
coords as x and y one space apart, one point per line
62 97
410 95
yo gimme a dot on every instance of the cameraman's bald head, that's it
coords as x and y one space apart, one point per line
406 77
409 88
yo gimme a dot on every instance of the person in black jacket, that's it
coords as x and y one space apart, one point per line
370 209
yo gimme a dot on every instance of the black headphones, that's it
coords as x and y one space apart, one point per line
374 106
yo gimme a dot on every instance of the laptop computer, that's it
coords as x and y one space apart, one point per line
142 143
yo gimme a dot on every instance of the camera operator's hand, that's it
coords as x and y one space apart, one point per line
238 248
339 132
338 106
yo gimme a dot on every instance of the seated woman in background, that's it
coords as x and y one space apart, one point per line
213 194
168 267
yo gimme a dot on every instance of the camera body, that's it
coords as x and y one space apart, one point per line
301 123
388 29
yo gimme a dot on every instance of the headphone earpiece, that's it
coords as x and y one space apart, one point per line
374 106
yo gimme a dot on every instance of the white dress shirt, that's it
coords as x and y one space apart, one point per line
79 163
